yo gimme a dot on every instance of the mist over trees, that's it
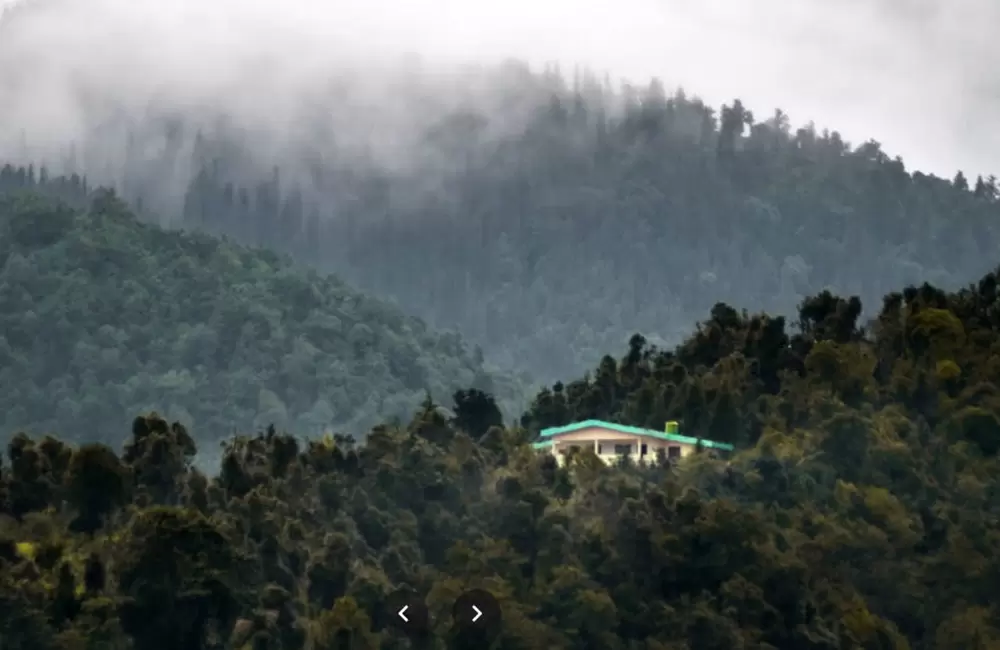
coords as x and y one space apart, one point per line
645 256
549 218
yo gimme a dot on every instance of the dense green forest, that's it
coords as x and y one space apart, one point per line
860 513
104 316
562 220
552 222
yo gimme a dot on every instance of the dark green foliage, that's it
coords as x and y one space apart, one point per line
476 412
177 573
96 482
860 510
104 317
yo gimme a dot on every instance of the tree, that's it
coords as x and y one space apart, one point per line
475 412
179 574
96 483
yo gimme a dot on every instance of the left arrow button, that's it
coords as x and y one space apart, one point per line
406 612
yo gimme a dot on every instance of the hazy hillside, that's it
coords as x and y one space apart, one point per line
866 515
545 215
553 220
551 234
559 241
105 316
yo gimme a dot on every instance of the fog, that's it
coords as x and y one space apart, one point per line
914 74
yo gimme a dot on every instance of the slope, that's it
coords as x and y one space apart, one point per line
929 357
550 231
866 516
103 315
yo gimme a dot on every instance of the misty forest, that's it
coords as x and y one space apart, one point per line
599 214
251 386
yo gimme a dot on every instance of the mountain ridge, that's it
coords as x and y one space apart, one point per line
596 213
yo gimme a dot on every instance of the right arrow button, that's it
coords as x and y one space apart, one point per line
477 613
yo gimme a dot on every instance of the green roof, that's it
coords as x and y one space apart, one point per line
622 428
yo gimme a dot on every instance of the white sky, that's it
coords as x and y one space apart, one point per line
918 75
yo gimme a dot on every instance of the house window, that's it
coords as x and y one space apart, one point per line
600 448
621 450
673 451
644 451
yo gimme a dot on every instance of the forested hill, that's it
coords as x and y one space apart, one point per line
864 517
929 356
551 223
104 316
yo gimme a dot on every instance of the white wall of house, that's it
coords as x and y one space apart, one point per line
610 445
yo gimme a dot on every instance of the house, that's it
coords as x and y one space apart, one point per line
612 441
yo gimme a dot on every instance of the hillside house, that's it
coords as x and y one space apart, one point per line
612 441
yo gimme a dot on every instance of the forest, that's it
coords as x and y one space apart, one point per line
860 510
334 368
550 223
104 316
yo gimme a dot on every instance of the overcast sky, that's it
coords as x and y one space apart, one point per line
918 75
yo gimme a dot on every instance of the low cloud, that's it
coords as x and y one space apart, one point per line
916 75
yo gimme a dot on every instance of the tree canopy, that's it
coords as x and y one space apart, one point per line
860 510
551 223
104 316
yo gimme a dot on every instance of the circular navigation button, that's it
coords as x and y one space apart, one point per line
477 615
406 612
